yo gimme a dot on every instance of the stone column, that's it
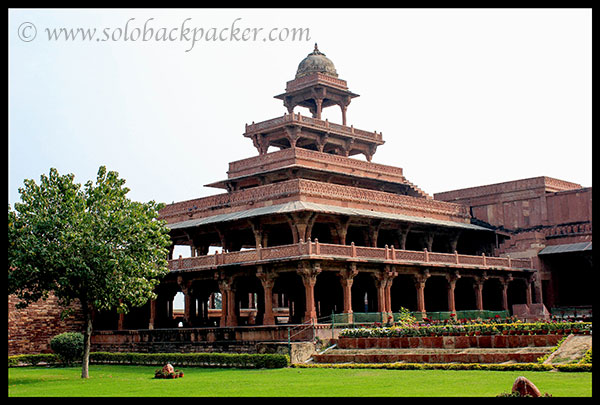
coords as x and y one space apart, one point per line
478 286
185 285
528 283
319 103
309 275
347 279
504 281
227 300
420 279
383 282
452 279
267 279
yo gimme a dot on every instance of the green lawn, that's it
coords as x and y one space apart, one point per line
108 380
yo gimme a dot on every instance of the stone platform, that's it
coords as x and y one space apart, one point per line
441 349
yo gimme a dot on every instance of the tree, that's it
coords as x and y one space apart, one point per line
92 245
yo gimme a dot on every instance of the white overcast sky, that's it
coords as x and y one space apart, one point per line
464 97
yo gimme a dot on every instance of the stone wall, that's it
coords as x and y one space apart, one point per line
31 329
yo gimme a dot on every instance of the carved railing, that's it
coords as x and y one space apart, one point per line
313 123
315 249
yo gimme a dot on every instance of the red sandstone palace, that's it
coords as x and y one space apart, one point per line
304 230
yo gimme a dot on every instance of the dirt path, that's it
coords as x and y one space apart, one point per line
572 349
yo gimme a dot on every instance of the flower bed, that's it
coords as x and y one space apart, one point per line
470 329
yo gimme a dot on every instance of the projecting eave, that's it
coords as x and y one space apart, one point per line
296 206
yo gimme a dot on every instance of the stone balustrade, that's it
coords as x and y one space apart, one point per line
315 250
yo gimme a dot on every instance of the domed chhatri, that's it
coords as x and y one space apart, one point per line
316 61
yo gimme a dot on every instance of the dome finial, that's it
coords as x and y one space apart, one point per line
316 51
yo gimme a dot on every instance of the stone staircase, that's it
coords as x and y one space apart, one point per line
441 349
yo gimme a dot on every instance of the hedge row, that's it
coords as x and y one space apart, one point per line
32 359
455 366
243 360
235 360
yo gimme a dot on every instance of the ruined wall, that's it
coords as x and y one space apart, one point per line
31 329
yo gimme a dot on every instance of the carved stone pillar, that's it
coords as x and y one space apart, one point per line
374 227
267 279
504 281
319 104
528 291
383 282
309 275
343 107
427 241
402 235
347 279
478 286
292 135
185 285
420 280
228 317
452 279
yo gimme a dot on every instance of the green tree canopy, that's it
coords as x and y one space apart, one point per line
89 244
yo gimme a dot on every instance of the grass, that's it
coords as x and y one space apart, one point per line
138 381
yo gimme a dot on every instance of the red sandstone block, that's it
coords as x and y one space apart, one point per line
513 341
385 343
461 342
347 343
499 341
404 342
473 341
395 343
539 340
425 342
438 342
448 342
484 341
413 342
553 340
361 343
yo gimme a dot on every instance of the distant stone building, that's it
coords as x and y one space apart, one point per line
305 230
547 220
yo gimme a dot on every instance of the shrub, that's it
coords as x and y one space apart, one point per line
68 346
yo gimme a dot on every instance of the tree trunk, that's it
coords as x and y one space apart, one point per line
87 340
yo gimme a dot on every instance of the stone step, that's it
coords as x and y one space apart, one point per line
432 355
